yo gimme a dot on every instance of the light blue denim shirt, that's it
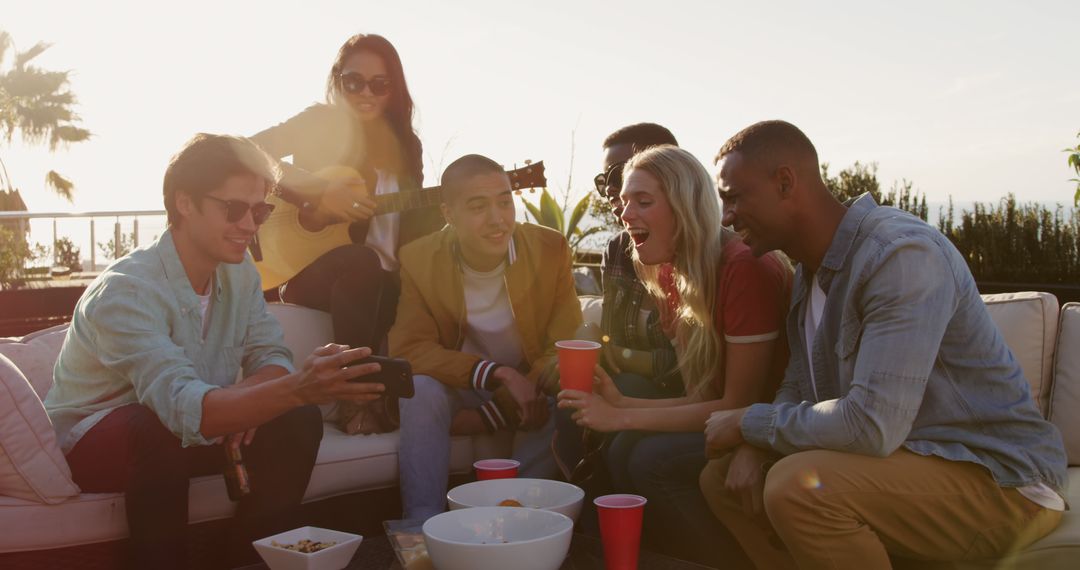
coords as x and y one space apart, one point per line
905 355
136 336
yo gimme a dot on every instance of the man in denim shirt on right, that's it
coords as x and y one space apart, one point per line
904 426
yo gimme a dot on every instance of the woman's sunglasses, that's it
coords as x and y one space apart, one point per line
355 83
235 210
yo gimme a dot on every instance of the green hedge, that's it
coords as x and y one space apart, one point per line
1017 242
1005 242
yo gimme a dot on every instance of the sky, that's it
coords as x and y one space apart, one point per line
965 99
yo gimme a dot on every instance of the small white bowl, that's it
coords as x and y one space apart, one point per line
334 558
532 493
497 538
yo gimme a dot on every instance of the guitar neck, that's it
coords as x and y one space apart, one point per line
401 201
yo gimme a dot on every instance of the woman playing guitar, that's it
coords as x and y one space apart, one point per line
365 125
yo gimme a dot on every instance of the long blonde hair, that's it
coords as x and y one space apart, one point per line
698 246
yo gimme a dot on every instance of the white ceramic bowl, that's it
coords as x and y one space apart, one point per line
498 538
334 558
533 493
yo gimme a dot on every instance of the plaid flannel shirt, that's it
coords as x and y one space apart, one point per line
624 298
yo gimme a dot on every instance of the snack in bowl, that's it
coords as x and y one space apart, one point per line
496 538
533 493
308 548
510 503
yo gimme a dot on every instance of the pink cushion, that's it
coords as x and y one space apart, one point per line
35 355
31 464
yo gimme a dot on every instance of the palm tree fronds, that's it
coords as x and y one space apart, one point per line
39 105
67 134
59 184
34 84
5 43
23 57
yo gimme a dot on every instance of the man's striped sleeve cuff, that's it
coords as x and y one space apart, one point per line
483 375
493 418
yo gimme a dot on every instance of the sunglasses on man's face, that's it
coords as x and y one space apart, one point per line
235 210
612 178
354 83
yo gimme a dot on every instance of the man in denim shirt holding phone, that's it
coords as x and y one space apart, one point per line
148 384
904 426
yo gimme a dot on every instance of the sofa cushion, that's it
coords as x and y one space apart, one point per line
1065 398
31 464
1058 550
592 307
305 329
345 464
1028 321
35 355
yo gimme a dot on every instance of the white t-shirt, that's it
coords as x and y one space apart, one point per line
1040 493
490 332
814 309
382 233
204 306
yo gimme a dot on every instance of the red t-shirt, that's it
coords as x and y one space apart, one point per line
752 296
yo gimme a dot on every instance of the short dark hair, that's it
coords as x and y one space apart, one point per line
456 176
767 140
641 136
207 161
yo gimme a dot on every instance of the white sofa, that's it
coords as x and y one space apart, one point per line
346 463
1044 340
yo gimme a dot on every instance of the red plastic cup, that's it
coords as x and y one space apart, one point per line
620 529
496 469
577 360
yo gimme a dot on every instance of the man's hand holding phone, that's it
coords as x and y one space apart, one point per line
394 373
326 376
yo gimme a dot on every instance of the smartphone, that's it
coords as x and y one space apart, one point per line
395 374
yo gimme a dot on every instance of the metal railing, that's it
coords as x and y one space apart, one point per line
117 232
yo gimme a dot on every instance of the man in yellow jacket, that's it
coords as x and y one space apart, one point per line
482 303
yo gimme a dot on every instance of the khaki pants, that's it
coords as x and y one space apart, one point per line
840 510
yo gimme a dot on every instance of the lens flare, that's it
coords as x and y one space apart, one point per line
810 480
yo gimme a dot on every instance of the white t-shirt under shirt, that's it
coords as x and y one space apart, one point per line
204 306
814 309
382 233
1040 493
490 332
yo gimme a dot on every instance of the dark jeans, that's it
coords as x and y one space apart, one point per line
663 468
130 451
351 285
569 445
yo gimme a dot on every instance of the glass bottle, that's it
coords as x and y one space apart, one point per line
236 476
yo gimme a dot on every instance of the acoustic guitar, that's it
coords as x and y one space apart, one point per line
283 247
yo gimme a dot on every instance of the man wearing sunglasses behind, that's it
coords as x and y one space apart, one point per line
637 343
146 390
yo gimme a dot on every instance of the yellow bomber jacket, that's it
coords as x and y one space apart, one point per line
430 326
